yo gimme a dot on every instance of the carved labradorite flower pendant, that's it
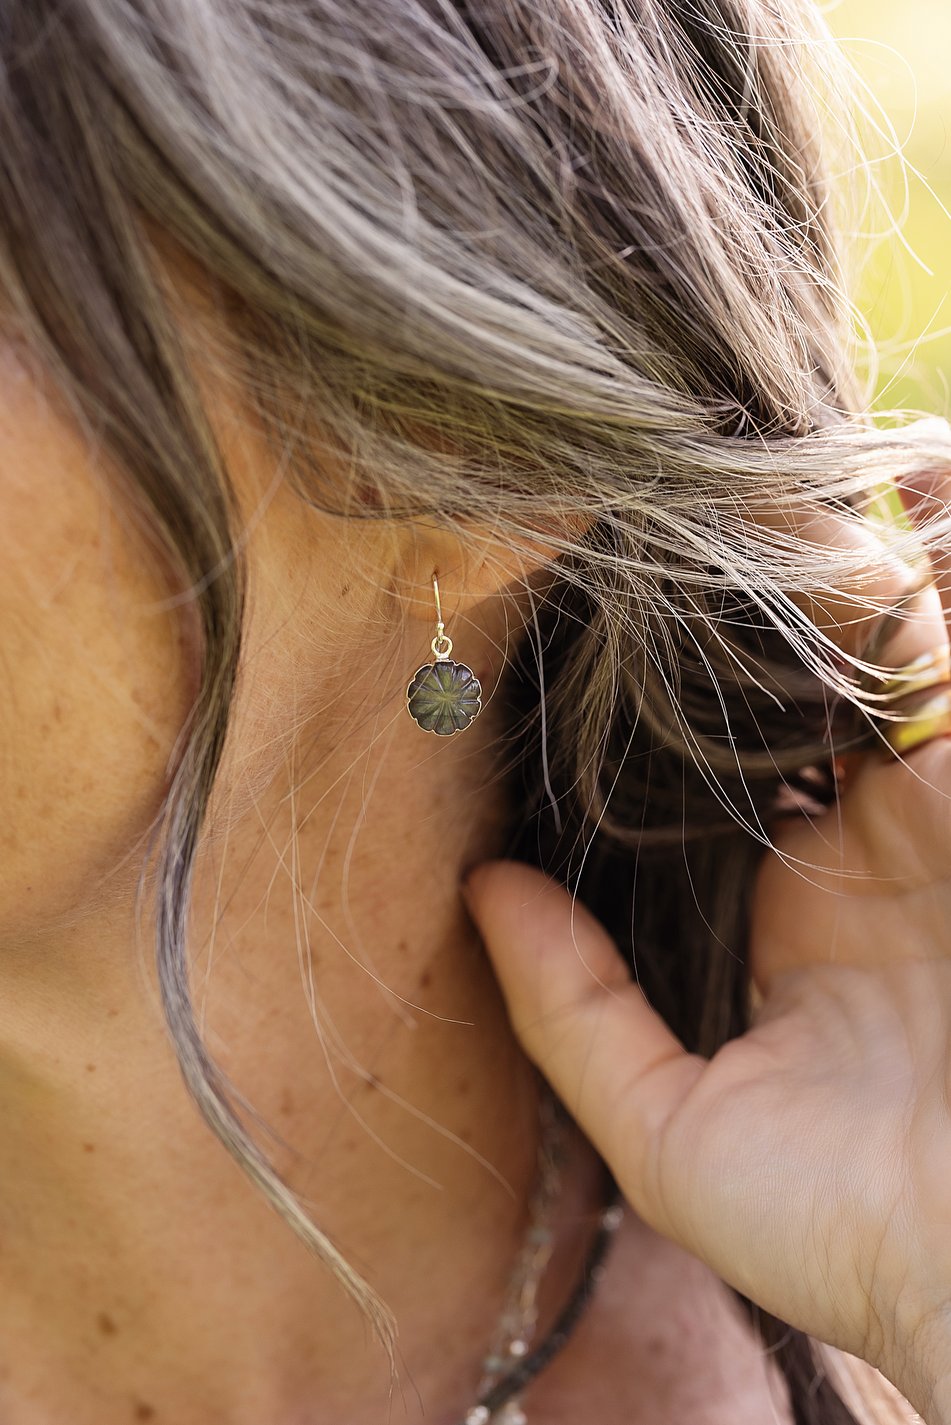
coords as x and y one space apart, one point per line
444 697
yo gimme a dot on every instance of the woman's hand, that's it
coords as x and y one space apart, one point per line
808 1162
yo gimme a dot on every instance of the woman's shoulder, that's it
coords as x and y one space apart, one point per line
664 1340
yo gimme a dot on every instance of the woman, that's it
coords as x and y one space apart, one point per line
345 343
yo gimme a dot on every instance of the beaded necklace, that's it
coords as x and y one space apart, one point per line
510 1362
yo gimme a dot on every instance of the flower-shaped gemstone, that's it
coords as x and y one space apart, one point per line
444 696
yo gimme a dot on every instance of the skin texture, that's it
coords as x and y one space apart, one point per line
130 1240
807 1162
84 732
143 1277
340 983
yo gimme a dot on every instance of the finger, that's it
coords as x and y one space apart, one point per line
885 612
870 580
926 497
583 1021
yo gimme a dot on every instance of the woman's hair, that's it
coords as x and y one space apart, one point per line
511 260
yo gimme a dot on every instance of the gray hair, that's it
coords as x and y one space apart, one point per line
591 247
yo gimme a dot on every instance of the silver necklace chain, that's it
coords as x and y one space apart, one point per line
510 1354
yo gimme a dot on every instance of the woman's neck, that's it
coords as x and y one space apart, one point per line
341 987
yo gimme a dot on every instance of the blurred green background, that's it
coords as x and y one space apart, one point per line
902 49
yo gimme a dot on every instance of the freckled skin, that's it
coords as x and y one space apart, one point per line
112 1187
93 687
112 1190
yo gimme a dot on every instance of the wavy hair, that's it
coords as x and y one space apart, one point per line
592 249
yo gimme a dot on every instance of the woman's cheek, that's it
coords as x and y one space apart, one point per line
93 687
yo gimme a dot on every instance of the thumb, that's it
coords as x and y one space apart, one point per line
582 1019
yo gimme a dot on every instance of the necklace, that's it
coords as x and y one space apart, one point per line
510 1362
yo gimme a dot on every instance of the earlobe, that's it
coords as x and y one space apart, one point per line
474 563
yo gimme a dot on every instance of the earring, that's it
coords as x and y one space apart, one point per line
443 696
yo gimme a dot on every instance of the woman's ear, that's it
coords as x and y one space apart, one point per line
474 562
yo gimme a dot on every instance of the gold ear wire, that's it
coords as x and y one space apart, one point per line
445 643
